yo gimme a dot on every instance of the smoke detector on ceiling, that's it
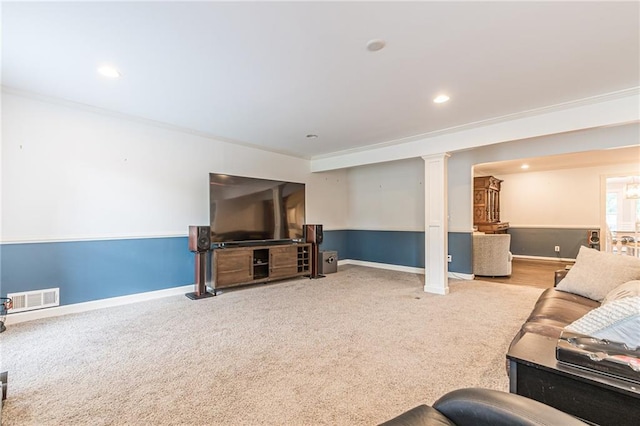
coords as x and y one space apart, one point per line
375 45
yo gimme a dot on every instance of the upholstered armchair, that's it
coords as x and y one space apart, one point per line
491 255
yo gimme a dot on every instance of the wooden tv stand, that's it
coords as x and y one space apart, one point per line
234 266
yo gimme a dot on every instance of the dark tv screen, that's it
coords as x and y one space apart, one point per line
244 209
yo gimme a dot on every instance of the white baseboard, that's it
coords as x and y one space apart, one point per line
559 259
413 270
410 269
388 266
455 275
19 317
460 276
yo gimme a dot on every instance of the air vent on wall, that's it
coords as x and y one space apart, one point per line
37 299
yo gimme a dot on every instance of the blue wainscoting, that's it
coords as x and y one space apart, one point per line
404 248
336 241
542 241
461 251
92 270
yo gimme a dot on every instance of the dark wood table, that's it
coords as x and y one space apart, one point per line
596 398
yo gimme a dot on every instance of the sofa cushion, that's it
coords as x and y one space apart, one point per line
561 310
596 273
552 293
630 288
553 311
618 321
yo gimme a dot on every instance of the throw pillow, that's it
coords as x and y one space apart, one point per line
618 321
596 273
628 289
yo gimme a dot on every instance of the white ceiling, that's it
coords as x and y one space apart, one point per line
629 156
267 74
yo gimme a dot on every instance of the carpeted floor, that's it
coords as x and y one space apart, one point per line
356 347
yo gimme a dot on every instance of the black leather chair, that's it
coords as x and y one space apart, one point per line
483 407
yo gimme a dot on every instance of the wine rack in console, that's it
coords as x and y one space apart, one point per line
234 266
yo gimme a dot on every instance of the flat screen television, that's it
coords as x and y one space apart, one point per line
245 210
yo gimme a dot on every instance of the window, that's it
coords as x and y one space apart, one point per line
622 214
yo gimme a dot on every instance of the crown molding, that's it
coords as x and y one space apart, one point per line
136 119
593 100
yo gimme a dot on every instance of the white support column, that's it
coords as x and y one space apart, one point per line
435 228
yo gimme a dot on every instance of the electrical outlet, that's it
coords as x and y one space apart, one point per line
557 249
449 258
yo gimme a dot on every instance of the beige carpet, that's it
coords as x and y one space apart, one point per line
356 347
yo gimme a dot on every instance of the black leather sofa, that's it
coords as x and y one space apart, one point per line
553 311
598 397
483 407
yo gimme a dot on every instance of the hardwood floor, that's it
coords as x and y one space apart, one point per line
530 272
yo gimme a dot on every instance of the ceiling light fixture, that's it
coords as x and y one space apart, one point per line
375 45
524 166
441 99
109 71
632 190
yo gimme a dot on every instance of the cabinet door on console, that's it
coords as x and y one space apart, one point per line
480 203
232 267
283 261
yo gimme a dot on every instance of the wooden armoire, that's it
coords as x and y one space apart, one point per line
486 205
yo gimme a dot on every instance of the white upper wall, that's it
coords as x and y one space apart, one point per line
390 196
70 173
461 163
327 199
387 196
559 198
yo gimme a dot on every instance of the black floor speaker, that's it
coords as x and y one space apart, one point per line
199 238
313 234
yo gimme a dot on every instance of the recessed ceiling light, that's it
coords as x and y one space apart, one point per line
312 136
109 71
524 166
375 45
441 99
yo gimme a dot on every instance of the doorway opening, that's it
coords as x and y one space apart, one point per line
622 214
